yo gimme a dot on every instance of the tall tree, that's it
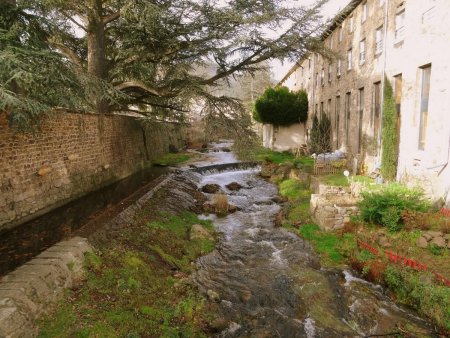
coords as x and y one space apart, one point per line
145 52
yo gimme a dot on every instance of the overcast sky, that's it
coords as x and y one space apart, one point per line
329 10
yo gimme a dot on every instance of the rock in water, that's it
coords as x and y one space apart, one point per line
211 188
234 186
213 296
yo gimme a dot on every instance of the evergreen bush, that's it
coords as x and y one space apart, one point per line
320 138
281 107
389 135
386 206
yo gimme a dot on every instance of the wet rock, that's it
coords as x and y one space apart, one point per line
279 199
211 188
268 169
245 295
422 242
218 324
213 296
234 186
232 208
438 241
208 208
279 219
199 232
225 149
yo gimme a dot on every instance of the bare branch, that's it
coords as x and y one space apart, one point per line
67 52
109 18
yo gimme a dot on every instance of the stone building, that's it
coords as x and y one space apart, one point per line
408 43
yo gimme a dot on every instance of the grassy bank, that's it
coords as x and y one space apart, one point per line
339 248
137 285
171 159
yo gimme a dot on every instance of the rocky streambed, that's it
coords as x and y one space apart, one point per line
264 281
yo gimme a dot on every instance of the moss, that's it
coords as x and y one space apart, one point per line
131 289
172 159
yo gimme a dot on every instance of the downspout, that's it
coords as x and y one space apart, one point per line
380 129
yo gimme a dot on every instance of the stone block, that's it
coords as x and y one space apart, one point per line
422 242
14 323
438 241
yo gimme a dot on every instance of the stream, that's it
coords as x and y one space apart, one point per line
269 282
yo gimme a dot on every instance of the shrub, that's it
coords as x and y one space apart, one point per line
220 202
385 207
281 107
320 140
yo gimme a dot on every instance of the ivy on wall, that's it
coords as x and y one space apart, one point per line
389 154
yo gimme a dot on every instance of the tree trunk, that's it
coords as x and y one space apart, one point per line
96 49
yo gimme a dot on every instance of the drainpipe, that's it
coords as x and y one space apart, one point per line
380 129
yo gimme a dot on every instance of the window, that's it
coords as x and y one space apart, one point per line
379 41
362 51
428 16
364 12
350 24
338 68
398 92
340 33
317 80
329 73
376 108
400 26
398 101
336 120
347 118
424 98
309 63
329 108
322 76
349 59
361 118
321 109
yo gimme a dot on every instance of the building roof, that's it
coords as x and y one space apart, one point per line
335 23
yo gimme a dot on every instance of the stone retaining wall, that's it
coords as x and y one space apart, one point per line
29 291
332 206
71 155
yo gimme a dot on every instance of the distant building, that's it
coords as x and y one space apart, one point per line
409 42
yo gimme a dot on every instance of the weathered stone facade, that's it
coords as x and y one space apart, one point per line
72 155
401 40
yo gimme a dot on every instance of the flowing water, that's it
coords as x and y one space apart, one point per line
270 282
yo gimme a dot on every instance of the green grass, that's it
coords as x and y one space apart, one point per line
303 162
131 290
172 159
333 249
341 180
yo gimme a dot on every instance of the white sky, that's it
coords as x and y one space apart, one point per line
329 11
